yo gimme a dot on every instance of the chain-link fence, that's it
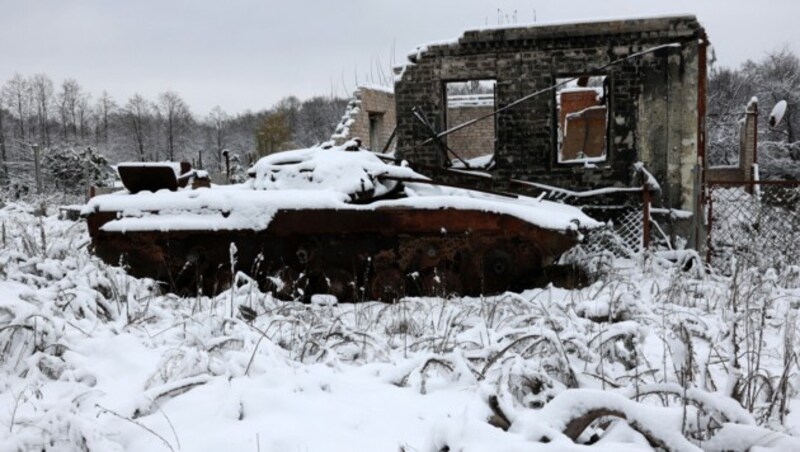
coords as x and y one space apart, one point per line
756 223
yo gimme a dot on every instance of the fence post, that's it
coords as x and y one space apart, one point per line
698 212
87 179
710 230
37 169
227 166
646 217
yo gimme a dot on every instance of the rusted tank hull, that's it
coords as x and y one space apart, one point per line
353 254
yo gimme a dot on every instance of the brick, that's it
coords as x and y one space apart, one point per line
523 60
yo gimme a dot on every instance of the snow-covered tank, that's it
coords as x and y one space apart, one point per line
329 220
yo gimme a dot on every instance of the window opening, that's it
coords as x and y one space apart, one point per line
582 119
467 100
375 127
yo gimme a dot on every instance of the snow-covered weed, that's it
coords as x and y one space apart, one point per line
92 359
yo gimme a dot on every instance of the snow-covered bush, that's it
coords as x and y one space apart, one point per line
73 170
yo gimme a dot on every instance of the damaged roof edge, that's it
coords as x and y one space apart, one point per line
673 26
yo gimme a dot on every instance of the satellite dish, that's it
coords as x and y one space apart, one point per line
777 113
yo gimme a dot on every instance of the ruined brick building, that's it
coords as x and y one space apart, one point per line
562 110
607 95
370 116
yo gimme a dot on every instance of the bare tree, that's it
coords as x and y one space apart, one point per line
138 116
65 115
317 120
3 157
67 100
17 95
42 89
241 138
82 115
728 92
177 119
777 78
774 78
289 108
218 119
274 134
104 109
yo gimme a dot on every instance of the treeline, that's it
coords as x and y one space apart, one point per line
774 78
72 127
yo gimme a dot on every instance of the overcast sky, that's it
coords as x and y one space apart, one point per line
247 54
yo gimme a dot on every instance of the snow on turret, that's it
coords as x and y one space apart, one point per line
336 168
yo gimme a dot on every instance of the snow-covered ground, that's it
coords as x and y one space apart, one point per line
94 360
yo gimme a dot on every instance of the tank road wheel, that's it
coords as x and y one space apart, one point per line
441 283
285 284
306 252
387 285
191 279
498 270
341 284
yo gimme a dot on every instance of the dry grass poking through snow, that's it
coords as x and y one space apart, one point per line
650 355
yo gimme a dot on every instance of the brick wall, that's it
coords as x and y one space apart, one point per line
652 106
473 141
368 101
747 151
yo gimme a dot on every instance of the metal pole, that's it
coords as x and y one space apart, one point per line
646 217
698 203
227 166
37 169
445 148
86 177
389 141
710 231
